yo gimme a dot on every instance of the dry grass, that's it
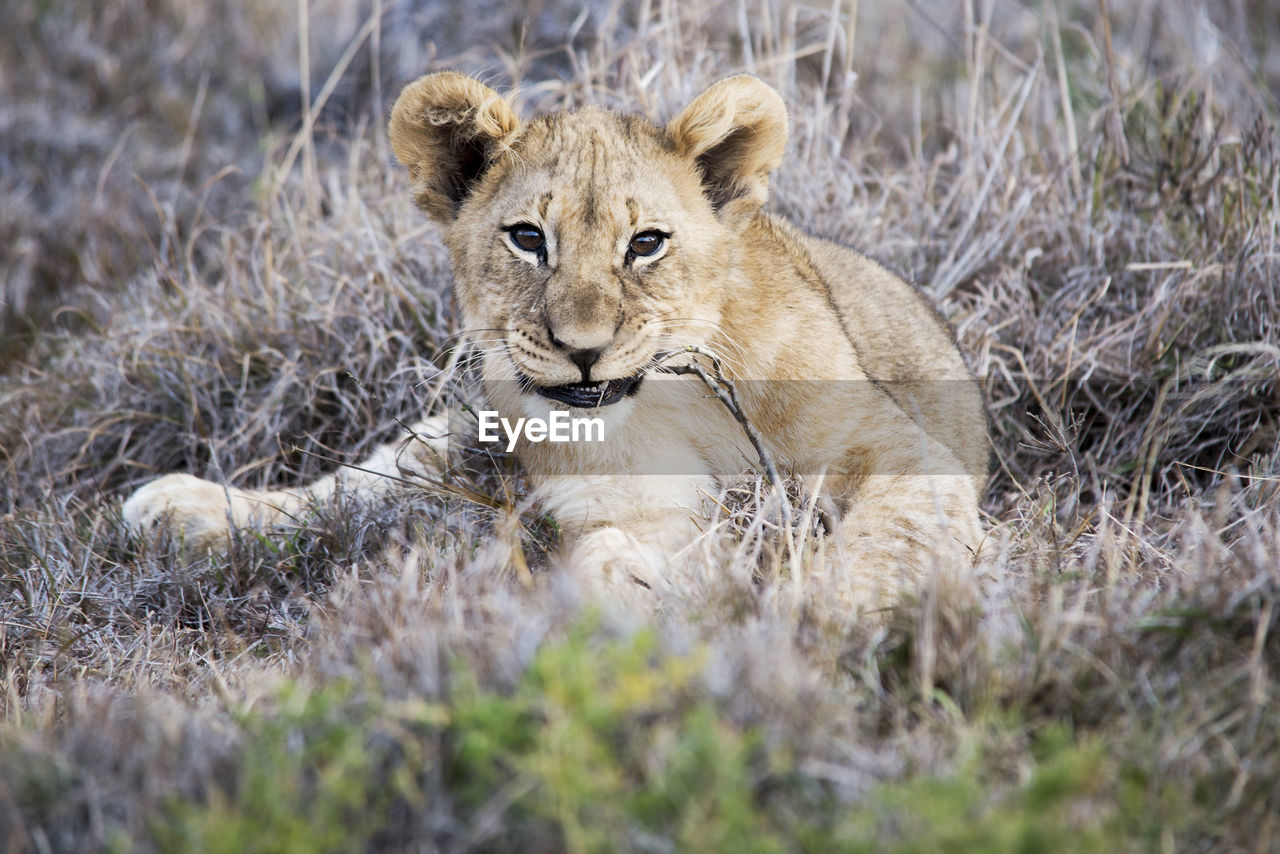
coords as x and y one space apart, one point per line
1093 202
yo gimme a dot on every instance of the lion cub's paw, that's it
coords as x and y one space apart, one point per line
614 566
196 509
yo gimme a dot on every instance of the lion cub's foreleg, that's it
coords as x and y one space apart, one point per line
898 531
910 512
202 512
909 516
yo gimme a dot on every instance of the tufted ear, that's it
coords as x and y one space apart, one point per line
447 128
735 132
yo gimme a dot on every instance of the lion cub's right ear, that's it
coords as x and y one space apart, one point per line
446 128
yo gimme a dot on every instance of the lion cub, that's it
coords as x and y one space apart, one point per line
590 249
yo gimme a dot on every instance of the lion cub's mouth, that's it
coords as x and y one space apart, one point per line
591 395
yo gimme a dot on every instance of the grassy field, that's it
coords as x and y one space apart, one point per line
209 263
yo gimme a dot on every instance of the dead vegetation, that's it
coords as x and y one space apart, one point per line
218 271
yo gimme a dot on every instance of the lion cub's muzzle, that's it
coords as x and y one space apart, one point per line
589 395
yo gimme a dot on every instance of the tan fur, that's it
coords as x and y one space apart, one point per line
843 368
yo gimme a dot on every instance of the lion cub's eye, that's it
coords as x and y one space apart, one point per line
527 237
646 243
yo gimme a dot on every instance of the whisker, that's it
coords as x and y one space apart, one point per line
672 321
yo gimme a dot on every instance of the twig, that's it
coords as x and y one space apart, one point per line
727 393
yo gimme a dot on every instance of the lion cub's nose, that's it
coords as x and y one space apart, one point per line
582 346
584 359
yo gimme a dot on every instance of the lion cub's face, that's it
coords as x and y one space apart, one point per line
586 250
585 244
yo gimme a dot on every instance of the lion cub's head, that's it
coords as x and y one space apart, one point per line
585 243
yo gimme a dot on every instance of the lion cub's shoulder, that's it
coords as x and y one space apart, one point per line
903 343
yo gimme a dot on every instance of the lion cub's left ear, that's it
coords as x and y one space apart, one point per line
736 132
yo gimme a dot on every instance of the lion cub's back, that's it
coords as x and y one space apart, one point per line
905 345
